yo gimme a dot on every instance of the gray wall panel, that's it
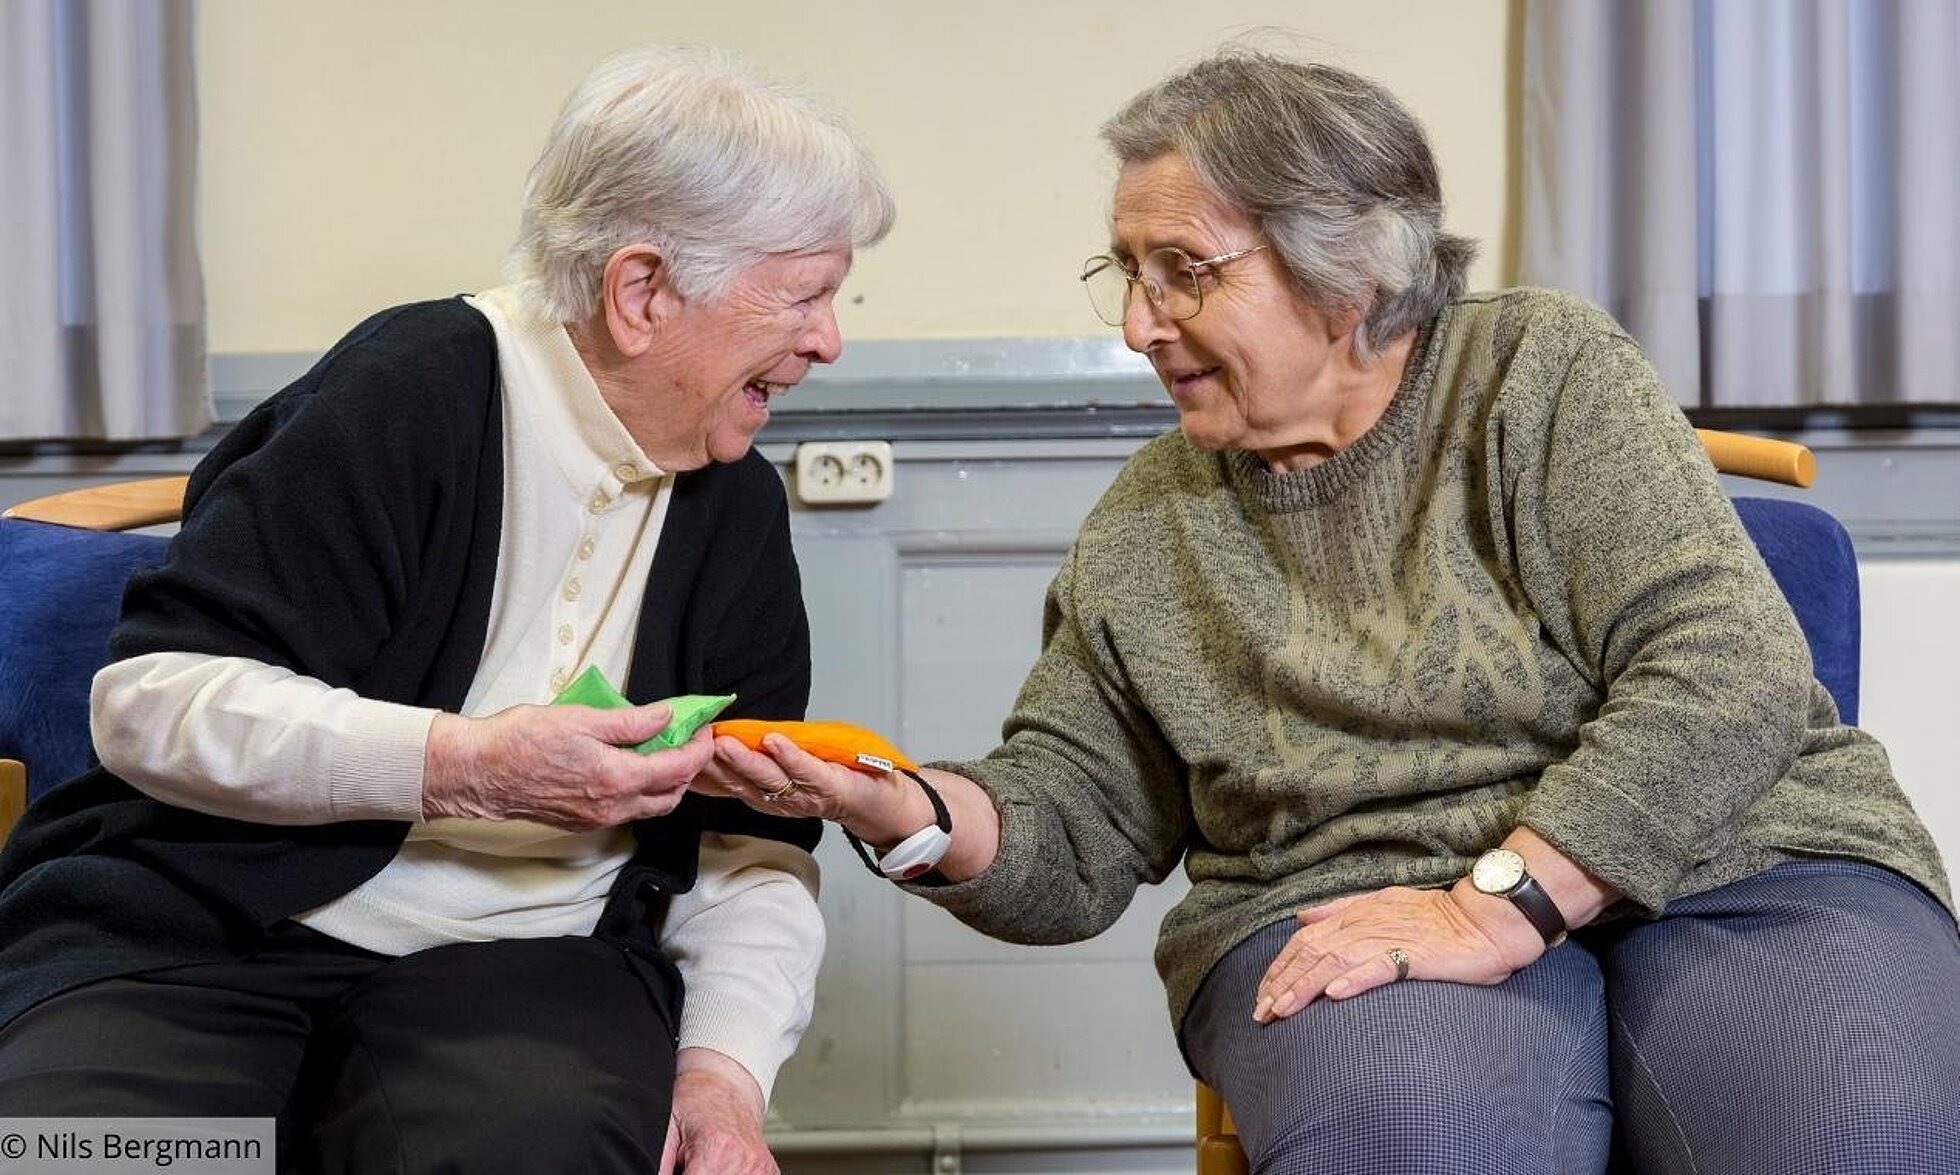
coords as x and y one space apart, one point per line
1037 1037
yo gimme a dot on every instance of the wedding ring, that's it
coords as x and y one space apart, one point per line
782 793
1400 958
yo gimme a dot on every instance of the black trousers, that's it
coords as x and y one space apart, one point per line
524 1055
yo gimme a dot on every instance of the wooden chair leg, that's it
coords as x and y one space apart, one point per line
1220 1155
1219 1152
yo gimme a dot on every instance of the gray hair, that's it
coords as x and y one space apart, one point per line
1336 173
685 149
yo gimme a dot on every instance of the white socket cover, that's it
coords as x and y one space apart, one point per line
843 473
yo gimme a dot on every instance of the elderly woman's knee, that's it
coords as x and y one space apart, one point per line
1386 1114
572 1121
1867 1130
558 1130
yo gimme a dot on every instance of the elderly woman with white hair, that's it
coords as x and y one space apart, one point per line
1517 825
340 866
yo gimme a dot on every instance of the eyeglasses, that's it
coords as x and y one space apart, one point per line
1169 277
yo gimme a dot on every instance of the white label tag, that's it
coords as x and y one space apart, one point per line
875 761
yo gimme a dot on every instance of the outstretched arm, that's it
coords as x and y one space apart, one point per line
879 809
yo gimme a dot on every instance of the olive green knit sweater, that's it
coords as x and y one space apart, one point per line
1520 598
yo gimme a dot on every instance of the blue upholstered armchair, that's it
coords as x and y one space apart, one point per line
61 585
1812 560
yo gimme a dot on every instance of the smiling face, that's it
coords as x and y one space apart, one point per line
715 365
1258 367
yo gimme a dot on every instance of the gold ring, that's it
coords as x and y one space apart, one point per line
1400 958
782 793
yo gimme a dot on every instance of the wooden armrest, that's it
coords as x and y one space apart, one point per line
123 505
1764 458
13 794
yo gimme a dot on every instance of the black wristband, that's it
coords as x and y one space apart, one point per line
941 819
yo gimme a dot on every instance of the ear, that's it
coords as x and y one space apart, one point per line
1340 326
637 297
1342 323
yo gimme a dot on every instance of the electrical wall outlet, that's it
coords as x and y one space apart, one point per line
843 473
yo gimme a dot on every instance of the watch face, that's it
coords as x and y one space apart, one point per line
1497 871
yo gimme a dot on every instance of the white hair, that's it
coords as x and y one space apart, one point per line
685 149
1336 172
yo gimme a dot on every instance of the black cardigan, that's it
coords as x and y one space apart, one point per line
348 529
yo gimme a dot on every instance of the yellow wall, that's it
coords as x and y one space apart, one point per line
364 152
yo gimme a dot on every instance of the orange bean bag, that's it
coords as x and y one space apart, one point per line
835 742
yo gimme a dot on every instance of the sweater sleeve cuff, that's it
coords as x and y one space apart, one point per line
992 899
726 1023
1611 836
378 760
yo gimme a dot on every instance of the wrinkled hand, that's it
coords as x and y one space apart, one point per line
880 810
557 765
822 788
716 1125
1341 948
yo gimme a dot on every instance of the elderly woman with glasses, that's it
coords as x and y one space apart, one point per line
1430 646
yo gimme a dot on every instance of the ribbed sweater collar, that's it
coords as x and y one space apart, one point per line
1301 489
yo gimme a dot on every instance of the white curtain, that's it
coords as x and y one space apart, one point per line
101 298
1766 192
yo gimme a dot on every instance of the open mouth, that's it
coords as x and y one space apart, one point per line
758 392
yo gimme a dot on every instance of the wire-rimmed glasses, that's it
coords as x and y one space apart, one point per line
1169 277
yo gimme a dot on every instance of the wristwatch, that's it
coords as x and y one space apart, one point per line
1501 873
919 853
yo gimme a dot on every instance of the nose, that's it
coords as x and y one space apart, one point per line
1145 325
823 342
